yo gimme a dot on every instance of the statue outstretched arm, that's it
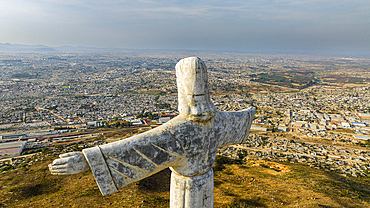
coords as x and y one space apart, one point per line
235 125
76 162
120 163
69 163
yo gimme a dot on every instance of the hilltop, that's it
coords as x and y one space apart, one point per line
238 183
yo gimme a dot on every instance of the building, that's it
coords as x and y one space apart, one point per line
345 125
11 149
163 120
359 124
283 128
258 128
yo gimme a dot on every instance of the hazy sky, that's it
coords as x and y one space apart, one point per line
187 24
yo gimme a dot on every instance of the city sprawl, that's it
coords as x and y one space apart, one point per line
309 109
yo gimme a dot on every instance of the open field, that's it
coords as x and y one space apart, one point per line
291 79
305 79
344 79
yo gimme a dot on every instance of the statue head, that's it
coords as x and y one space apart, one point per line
192 86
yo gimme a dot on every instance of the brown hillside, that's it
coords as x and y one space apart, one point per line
254 184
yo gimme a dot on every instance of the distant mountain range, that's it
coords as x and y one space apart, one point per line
7 47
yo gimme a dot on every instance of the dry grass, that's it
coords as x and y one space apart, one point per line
254 184
269 184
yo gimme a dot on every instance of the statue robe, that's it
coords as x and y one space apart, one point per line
187 146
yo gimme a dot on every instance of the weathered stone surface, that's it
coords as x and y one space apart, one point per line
188 192
192 86
100 170
69 163
188 144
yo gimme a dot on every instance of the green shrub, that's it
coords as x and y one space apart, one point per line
6 168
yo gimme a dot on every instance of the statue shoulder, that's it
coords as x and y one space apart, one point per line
244 112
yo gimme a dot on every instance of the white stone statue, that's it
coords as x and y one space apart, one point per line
187 144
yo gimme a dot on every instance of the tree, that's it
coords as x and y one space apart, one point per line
151 117
125 123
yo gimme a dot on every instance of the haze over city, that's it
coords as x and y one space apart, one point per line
292 25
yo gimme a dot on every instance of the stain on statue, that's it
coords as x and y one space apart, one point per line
187 144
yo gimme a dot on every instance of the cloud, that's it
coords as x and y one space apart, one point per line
175 23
